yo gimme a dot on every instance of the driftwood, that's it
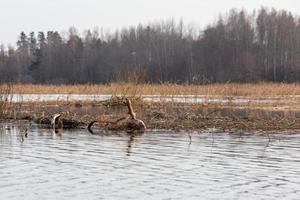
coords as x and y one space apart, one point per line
130 110
129 124
57 122
90 127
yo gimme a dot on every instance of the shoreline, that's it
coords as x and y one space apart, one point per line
161 115
254 107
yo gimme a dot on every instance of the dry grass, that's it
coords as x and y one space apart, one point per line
279 115
162 115
230 89
5 99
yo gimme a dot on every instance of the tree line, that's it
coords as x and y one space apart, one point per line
239 47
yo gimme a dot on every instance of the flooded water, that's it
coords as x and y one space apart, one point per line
278 100
154 165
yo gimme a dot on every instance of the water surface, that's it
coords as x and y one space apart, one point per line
154 165
278 100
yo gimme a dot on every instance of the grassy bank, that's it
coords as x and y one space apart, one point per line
254 115
161 115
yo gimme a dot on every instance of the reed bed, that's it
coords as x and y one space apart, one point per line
5 99
229 89
281 115
162 115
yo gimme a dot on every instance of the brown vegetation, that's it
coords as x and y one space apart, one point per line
164 115
5 99
230 89
281 114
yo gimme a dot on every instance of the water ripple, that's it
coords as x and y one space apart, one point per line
161 165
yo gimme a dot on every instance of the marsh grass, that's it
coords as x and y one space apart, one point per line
255 94
163 115
284 114
225 90
6 92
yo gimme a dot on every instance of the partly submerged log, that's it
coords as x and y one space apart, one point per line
57 122
90 127
49 121
129 124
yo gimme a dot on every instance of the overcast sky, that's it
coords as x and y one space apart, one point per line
43 15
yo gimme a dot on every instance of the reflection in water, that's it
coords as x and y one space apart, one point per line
131 135
132 138
154 165
56 133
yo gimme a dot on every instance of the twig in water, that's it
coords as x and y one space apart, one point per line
268 140
90 127
190 137
213 138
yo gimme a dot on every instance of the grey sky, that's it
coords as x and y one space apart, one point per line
43 15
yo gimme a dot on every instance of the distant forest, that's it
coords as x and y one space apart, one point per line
239 47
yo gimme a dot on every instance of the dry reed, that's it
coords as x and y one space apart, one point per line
280 115
230 89
5 99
